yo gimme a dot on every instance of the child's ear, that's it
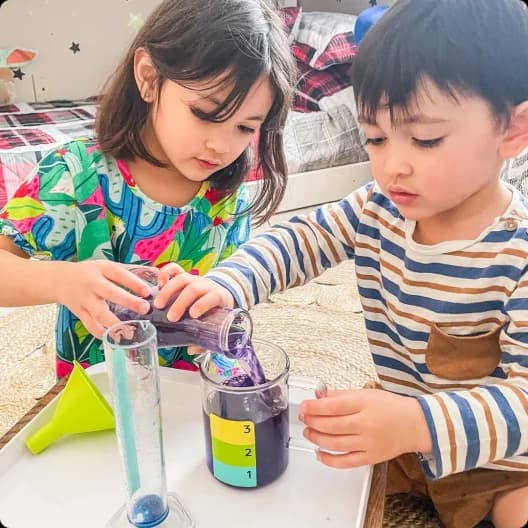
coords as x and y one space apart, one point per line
516 136
145 74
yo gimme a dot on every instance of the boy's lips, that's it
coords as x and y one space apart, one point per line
400 196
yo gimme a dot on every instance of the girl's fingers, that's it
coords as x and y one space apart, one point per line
92 325
333 442
117 295
121 276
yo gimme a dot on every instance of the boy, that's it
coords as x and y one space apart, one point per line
441 249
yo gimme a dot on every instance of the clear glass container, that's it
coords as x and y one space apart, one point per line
132 362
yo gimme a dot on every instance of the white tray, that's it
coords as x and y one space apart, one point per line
77 482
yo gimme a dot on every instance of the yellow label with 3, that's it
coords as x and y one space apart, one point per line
232 432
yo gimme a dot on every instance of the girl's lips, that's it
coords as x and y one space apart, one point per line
402 198
207 164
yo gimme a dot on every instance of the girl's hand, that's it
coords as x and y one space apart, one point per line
197 294
85 287
365 426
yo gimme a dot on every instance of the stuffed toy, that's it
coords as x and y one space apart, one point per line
11 59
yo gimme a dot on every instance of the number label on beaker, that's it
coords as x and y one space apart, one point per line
233 451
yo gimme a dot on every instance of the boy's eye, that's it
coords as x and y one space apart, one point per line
428 143
246 130
375 142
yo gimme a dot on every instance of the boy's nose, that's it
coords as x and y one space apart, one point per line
396 163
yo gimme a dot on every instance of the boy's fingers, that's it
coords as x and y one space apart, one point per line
348 460
210 300
168 272
186 298
345 402
338 425
333 442
195 350
170 289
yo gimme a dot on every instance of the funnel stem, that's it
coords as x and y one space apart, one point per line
44 437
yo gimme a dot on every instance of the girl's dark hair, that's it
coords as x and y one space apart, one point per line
465 47
233 42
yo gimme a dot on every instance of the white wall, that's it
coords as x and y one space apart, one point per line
102 28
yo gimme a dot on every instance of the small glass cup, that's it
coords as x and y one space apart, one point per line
132 362
219 329
247 429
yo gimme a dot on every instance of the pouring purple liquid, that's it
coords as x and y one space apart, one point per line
220 330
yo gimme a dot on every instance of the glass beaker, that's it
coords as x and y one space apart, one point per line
132 362
220 329
247 429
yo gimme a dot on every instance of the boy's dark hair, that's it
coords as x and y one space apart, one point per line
465 47
195 40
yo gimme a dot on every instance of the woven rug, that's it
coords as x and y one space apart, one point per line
320 325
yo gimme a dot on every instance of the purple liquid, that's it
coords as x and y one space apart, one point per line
271 433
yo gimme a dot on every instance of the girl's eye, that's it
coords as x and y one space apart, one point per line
375 142
428 143
246 130
200 114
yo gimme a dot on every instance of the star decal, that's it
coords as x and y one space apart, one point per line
75 47
18 74
135 21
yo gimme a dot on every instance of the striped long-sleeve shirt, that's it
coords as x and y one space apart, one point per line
446 323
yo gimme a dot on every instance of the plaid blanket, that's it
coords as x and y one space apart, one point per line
28 131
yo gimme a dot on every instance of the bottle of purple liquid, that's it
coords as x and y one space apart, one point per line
220 330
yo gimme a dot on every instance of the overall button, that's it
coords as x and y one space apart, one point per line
511 225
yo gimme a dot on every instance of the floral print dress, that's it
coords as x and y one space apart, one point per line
79 204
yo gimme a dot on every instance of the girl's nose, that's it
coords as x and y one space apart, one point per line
218 144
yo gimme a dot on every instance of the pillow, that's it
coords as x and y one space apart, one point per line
291 17
324 39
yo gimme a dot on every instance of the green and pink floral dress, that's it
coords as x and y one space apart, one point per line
79 204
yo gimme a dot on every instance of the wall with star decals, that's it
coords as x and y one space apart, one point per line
79 43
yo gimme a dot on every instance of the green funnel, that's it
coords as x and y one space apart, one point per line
81 409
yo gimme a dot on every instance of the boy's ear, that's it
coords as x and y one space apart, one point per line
516 136
145 74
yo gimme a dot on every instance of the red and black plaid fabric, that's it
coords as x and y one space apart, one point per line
22 137
314 85
321 72
340 50
44 118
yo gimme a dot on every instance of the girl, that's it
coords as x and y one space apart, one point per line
163 181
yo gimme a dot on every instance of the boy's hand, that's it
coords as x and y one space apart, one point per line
195 293
84 287
365 426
